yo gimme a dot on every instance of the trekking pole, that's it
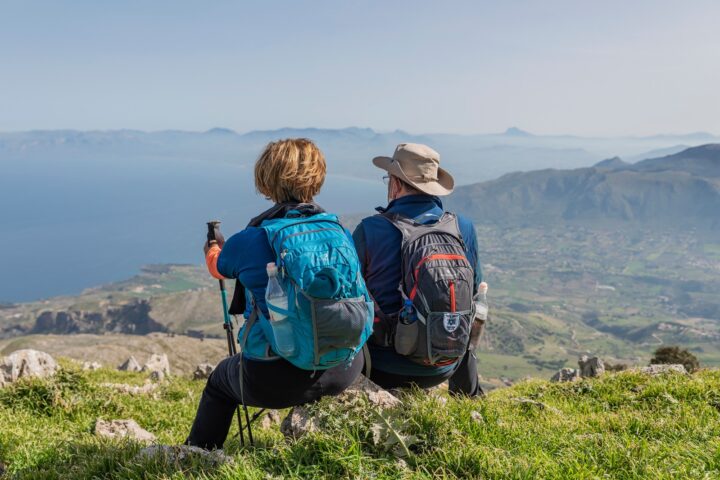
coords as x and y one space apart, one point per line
214 226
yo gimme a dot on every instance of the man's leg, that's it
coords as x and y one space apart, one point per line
217 406
465 379
391 380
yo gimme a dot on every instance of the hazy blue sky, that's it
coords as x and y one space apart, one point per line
600 68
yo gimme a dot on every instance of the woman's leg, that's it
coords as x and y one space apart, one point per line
267 384
217 406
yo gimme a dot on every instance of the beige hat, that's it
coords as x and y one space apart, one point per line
418 165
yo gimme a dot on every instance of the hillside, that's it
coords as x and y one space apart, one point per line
625 425
679 191
555 293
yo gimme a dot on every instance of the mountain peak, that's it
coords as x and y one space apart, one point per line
516 132
611 163
221 131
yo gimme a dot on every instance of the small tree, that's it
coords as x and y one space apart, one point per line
676 355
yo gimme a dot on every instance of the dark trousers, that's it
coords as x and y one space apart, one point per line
463 379
266 384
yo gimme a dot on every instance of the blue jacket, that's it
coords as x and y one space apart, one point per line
378 246
244 257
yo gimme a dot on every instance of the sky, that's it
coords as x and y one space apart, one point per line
605 68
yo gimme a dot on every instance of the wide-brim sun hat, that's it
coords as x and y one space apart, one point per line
418 165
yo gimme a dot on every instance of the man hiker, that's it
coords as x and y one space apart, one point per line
421 267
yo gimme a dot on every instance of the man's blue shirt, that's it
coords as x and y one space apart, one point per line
378 245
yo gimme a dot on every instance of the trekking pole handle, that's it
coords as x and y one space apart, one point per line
213 227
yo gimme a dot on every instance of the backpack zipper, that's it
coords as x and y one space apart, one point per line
452 297
436 256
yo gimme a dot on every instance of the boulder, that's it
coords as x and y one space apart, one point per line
26 363
91 365
300 420
158 366
298 423
130 365
123 429
183 454
663 368
271 417
591 367
203 371
566 375
375 394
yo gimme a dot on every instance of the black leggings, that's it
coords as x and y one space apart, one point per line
463 379
266 384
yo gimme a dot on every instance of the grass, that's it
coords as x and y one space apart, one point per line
620 426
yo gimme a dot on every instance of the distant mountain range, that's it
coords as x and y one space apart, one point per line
471 158
93 207
681 190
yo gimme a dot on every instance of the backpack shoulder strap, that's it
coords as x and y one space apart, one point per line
405 225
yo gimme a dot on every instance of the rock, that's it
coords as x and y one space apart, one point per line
298 423
375 394
123 429
178 454
203 371
591 367
272 417
477 416
26 363
91 365
132 389
506 381
662 368
130 365
566 375
158 366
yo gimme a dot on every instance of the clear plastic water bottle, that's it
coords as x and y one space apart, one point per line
481 303
481 316
281 326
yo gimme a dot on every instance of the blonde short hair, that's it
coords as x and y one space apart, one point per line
290 169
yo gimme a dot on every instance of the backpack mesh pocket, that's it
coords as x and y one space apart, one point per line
448 334
338 325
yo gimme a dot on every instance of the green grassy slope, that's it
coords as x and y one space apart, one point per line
620 426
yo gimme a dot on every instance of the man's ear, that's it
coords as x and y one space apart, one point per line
393 188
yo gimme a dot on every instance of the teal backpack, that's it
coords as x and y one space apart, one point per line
329 307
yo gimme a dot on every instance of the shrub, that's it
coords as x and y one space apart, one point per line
676 355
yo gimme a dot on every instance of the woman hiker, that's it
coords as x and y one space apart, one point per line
290 173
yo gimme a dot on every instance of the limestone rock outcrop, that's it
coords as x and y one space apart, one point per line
591 367
130 365
123 429
158 366
26 363
203 371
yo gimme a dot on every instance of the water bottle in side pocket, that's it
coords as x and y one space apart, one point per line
481 315
276 297
406 331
